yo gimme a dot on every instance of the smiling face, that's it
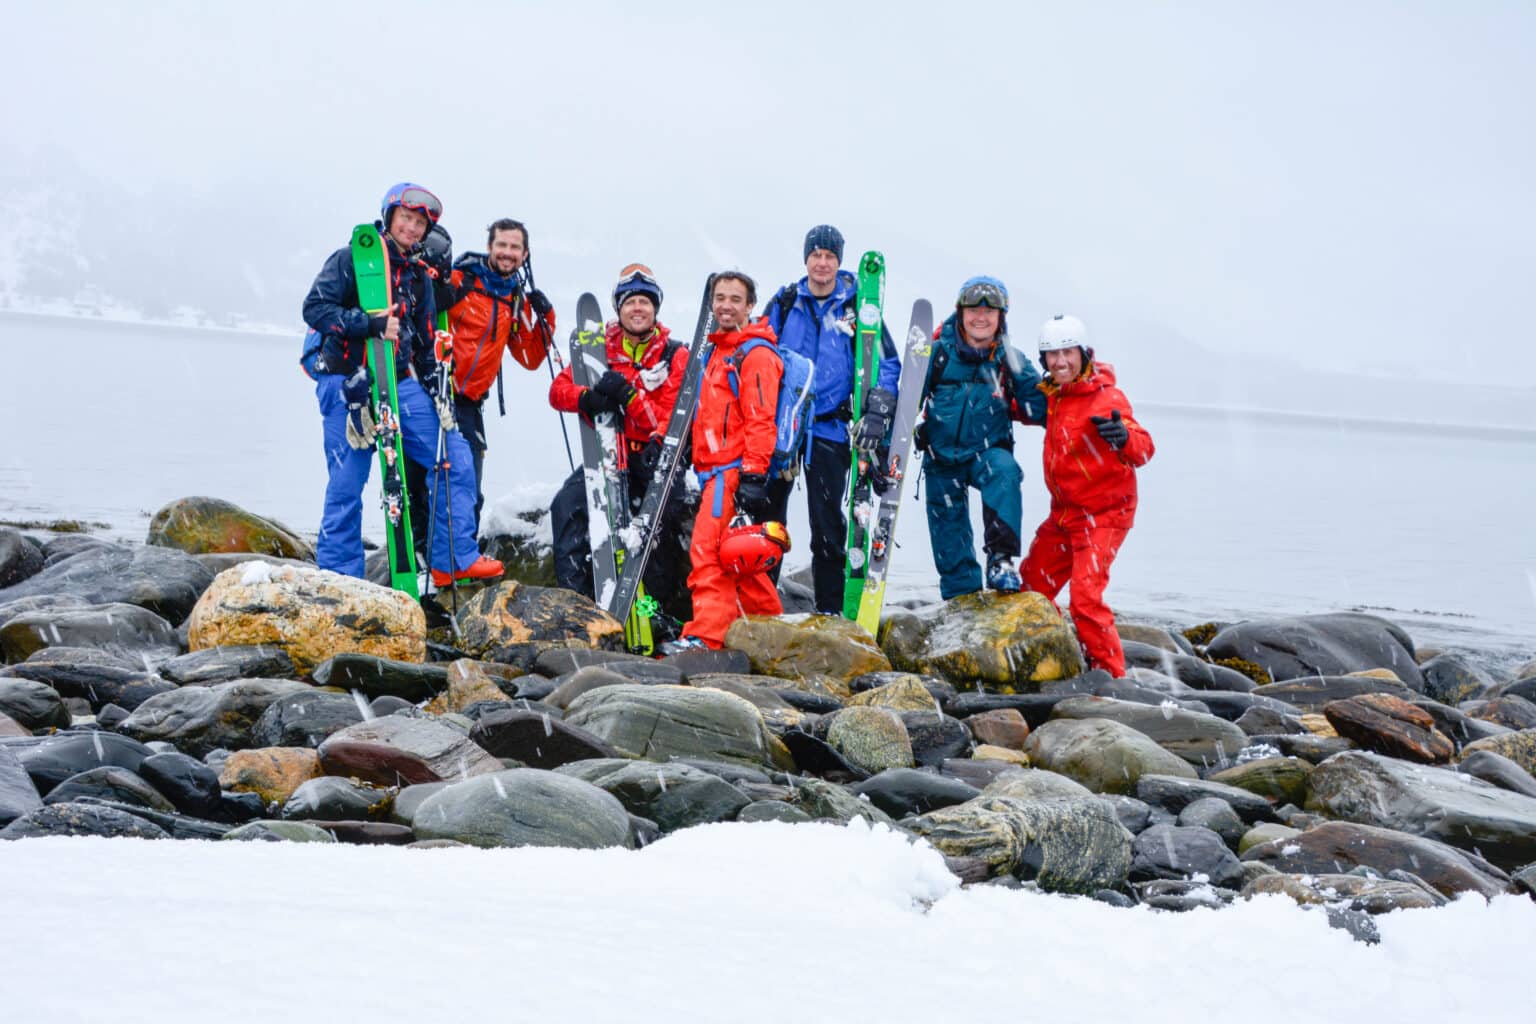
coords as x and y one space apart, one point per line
637 315
731 304
1064 364
509 248
980 323
407 227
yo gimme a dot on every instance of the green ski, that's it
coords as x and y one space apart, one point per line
370 261
870 317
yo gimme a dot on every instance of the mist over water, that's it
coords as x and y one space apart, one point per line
1241 513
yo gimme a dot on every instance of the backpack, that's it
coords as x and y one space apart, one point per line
309 356
797 400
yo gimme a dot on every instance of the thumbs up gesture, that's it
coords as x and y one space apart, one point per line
1112 429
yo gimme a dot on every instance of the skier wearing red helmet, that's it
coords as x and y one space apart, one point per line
1093 446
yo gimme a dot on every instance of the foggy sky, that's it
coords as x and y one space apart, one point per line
1349 186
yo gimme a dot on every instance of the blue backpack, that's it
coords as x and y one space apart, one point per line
797 401
311 352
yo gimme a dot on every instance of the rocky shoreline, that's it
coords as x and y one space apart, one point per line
213 684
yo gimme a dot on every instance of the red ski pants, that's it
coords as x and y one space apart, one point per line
719 598
1080 555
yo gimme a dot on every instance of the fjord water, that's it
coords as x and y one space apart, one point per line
1242 513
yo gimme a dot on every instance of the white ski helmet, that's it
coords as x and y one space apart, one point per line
1063 331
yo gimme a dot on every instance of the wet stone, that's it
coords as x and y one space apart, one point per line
76 819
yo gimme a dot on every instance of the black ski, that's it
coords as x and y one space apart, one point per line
643 529
607 484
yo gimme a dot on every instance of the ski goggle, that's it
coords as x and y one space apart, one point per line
636 279
983 293
419 199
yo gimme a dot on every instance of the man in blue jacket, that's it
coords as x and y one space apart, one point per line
334 310
815 319
976 387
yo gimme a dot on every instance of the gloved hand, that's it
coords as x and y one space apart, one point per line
1112 429
437 250
360 426
594 403
438 388
648 458
869 432
920 436
540 303
752 496
615 386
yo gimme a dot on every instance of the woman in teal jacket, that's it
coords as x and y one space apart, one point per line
976 386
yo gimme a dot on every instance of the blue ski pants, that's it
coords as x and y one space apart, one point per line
996 474
340 544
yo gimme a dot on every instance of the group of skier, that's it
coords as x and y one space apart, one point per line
727 538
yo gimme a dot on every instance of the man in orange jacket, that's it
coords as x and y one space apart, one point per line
733 440
645 372
1093 446
490 312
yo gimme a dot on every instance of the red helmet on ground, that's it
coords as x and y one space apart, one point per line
748 548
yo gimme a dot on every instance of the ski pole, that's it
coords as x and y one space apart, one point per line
553 352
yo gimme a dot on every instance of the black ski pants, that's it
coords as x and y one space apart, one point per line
470 415
666 574
826 487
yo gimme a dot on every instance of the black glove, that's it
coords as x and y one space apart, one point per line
437 250
1112 429
377 325
920 436
540 303
648 458
594 403
879 409
752 496
613 385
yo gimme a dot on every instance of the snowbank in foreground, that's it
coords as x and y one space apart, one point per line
761 922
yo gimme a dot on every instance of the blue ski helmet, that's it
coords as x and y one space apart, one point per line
412 197
636 279
983 291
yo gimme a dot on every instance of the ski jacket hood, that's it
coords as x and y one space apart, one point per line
737 425
1088 479
334 310
656 377
822 330
972 396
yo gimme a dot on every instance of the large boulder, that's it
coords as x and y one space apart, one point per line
872 739
1338 846
672 795
1202 740
20 557
166 582
18 795
659 723
1334 644
1066 845
511 615
124 629
1390 725
399 751
795 646
210 525
34 705
198 719
524 807
1102 754
1006 642
1467 813
1450 679
311 614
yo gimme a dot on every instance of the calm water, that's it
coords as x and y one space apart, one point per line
1241 513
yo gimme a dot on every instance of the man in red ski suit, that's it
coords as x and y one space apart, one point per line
733 441
1093 446
645 371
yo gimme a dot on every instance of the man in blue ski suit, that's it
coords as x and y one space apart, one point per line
976 386
333 310
816 319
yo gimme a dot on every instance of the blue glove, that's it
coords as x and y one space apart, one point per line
360 426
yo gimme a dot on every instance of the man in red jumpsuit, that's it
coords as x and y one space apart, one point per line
733 440
1093 446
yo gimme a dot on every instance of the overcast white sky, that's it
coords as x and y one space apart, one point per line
1349 184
